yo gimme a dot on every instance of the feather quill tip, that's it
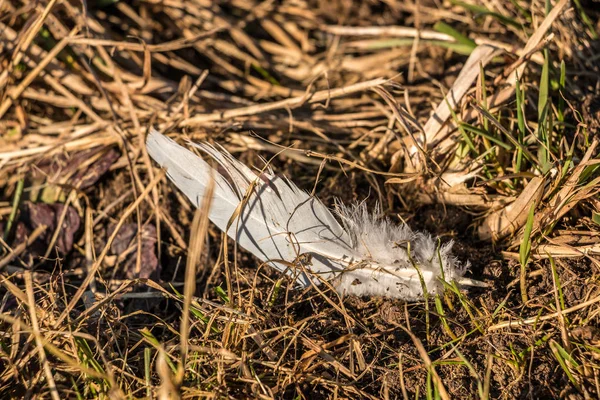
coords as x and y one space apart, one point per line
468 282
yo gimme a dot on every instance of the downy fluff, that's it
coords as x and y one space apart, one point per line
295 233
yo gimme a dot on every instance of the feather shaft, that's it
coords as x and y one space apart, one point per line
273 219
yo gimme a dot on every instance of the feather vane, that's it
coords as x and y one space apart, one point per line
278 222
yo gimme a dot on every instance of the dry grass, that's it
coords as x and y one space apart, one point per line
96 245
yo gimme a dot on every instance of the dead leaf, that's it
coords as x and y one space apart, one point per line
82 169
570 194
87 177
49 214
512 217
587 333
125 247
480 56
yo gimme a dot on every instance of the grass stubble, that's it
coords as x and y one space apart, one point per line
475 120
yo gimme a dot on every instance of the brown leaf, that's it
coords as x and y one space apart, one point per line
125 247
587 333
82 169
50 215
89 176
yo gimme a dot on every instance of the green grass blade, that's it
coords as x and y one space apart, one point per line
521 125
151 339
459 37
462 131
596 218
14 208
221 293
472 371
563 358
543 115
525 250
484 134
561 88
559 289
481 11
459 48
148 371
586 20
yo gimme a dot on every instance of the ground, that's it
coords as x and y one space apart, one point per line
99 251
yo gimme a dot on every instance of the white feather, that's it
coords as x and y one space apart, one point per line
280 222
